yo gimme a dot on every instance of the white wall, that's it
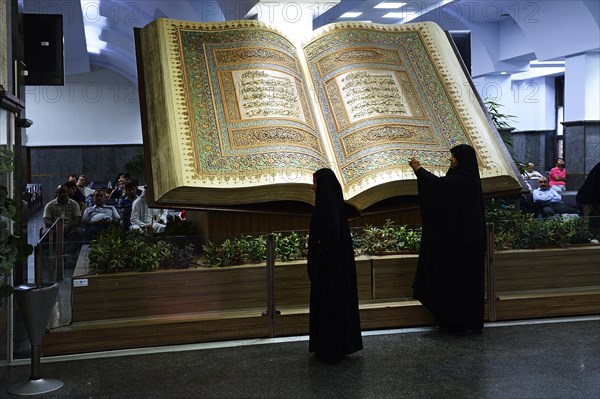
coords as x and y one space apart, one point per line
100 107
582 87
531 101
533 104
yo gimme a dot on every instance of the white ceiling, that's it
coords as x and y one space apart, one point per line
100 32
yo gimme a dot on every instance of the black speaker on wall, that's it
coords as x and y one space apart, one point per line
43 47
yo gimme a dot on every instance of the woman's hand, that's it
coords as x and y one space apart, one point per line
414 164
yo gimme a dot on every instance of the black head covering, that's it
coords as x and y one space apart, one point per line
329 200
467 160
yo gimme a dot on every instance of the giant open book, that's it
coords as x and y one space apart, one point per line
237 113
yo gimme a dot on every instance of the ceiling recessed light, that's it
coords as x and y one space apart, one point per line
389 5
350 14
397 15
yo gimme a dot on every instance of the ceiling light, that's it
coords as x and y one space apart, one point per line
389 5
93 25
397 15
92 38
350 14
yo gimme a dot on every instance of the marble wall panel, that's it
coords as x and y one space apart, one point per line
529 146
582 150
51 166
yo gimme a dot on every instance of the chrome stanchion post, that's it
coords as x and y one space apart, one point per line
60 250
271 308
491 275
36 302
38 264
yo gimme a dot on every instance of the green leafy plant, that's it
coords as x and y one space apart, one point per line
178 227
228 253
179 257
253 248
562 232
502 123
248 249
13 248
500 120
135 164
115 250
515 229
389 238
290 246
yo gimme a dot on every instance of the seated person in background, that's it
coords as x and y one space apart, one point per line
548 202
99 217
138 192
67 209
530 173
73 178
126 203
143 218
75 194
82 184
115 182
119 191
558 176
130 195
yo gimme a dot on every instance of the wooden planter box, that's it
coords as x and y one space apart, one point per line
547 282
393 276
129 310
529 270
203 290
168 292
292 287
518 273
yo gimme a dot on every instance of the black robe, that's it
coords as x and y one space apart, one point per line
334 329
589 192
450 271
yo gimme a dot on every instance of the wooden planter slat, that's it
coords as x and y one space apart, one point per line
129 310
547 269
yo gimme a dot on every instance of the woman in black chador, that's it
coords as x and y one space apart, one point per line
449 278
334 320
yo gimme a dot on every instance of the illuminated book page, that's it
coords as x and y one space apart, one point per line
389 92
240 113
236 113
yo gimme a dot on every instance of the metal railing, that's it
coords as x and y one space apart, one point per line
51 241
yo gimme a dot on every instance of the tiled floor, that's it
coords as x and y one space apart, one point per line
541 359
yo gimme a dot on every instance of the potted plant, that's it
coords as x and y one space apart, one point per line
13 248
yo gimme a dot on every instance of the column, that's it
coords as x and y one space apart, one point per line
582 116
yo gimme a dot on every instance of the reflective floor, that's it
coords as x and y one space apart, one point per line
558 358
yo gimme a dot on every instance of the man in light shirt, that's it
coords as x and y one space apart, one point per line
99 217
548 202
143 218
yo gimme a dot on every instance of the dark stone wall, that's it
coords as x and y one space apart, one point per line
582 150
51 166
530 146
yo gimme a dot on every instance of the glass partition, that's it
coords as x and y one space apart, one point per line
147 290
